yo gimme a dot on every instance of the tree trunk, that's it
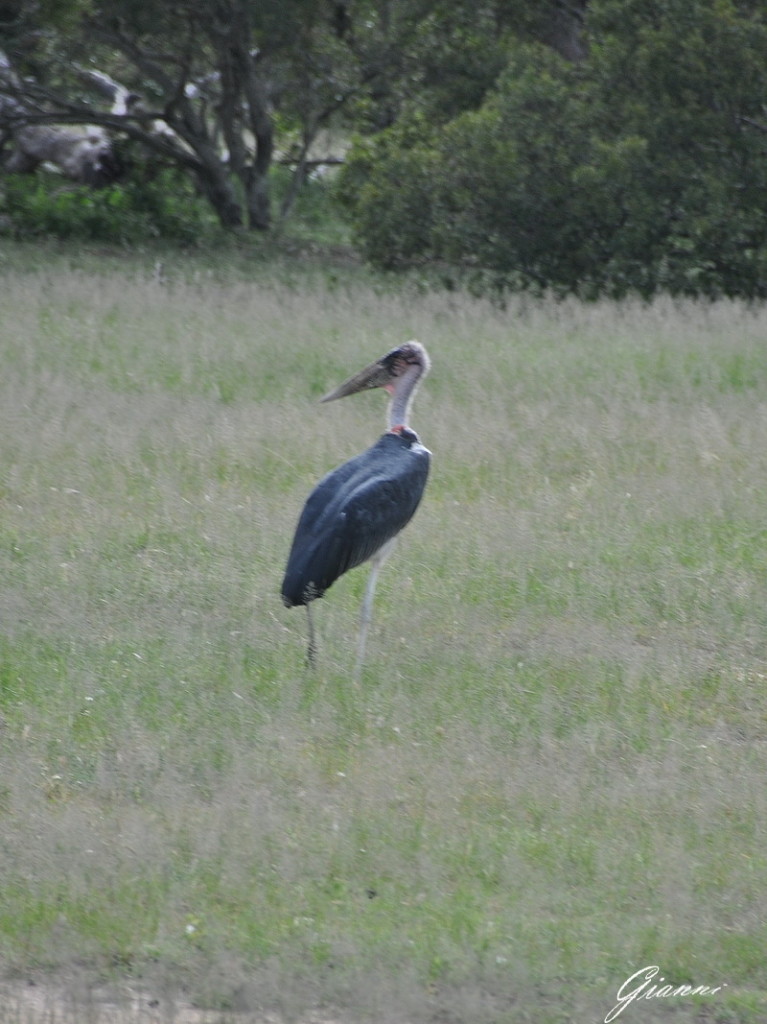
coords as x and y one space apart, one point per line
220 193
564 32
259 203
252 93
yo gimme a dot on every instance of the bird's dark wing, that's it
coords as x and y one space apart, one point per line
352 513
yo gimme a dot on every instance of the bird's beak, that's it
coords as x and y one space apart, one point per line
377 375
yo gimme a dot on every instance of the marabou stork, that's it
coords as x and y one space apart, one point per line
357 510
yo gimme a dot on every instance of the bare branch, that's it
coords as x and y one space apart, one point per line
753 124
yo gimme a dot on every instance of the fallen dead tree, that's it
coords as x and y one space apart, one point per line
82 153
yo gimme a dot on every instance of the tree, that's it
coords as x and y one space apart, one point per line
196 86
690 80
209 83
640 167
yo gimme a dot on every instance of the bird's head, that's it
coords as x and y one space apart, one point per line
409 360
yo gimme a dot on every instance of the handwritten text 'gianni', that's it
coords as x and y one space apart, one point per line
638 987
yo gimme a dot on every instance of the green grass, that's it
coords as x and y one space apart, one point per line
552 773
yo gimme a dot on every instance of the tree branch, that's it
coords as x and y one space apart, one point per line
753 124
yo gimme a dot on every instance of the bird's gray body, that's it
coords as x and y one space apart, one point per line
353 512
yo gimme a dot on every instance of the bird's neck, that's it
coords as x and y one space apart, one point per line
402 393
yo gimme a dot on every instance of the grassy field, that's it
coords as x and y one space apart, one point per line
553 772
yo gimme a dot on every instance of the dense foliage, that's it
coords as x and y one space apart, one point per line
595 147
641 168
126 213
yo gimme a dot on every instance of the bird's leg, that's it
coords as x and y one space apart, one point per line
311 650
367 604
365 616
